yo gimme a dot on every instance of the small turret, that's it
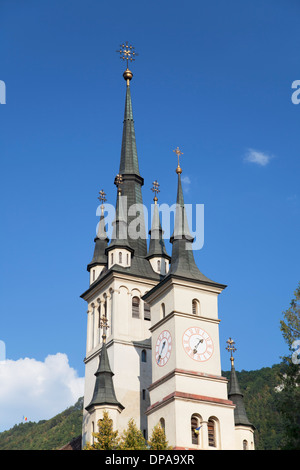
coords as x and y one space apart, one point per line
157 254
99 261
119 251
244 430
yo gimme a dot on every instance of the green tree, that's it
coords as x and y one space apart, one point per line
290 326
158 440
132 438
288 397
106 438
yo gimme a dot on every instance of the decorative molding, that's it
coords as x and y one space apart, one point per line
191 397
182 314
188 373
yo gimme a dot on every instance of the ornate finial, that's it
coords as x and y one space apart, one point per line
104 325
230 348
178 153
102 199
127 53
155 190
118 182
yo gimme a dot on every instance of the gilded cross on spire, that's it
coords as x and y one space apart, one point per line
155 190
127 53
102 199
178 153
230 348
118 182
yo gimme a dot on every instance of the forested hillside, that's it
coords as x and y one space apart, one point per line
260 392
258 386
46 434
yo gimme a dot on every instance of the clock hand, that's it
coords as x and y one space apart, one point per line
196 347
163 345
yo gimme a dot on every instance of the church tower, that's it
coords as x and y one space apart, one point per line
153 349
188 395
120 274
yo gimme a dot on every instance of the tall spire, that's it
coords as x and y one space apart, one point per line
182 260
129 166
129 159
234 392
101 240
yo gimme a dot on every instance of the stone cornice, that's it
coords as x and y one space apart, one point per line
144 344
187 373
108 278
190 397
183 314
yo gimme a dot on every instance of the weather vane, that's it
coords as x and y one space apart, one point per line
102 199
155 190
230 348
178 153
104 325
118 182
127 53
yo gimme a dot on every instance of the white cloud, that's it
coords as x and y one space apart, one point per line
38 390
260 158
186 183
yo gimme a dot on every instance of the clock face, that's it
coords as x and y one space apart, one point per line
163 348
197 344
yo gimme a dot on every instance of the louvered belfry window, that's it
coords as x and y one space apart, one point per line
211 433
195 307
146 311
136 307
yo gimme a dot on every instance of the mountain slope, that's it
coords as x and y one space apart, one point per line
45 435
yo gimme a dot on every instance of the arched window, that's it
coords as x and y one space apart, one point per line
162 424
144 355
136 307
245 444
99 316
163 310
127 258
158 265
120 257
195 307
94 274
211 429
147 311
195 429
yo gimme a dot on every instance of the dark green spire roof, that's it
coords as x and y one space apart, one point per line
157 244
236 396
119 236
132 181
101 241
182 261
104 392
129 160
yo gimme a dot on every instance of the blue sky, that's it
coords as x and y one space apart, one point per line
213 78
